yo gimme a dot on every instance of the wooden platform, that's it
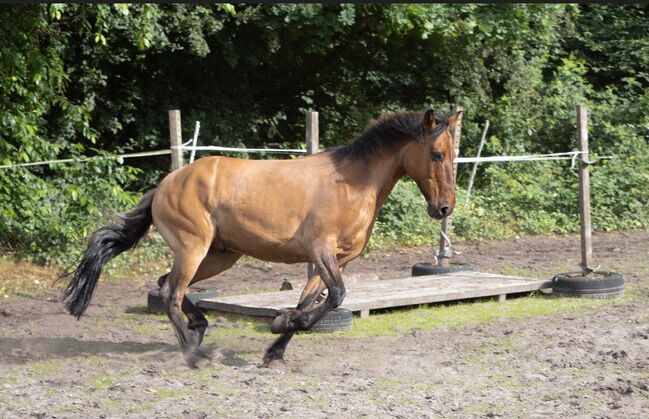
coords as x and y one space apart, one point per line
379 294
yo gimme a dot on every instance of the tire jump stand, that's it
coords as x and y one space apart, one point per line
442 264
590 282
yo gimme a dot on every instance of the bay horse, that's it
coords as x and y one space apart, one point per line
319 209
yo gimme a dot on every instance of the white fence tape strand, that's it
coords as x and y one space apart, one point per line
569 155
85 159
242 150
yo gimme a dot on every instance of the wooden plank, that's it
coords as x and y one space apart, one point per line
376 289
584 191
175 138
365 296
416 284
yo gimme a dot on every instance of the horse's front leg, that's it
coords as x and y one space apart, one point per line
310 293
330 274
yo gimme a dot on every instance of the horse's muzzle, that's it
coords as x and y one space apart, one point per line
440 212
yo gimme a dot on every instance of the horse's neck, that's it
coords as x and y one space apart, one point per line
385 172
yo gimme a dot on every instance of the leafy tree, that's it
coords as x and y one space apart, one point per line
93 79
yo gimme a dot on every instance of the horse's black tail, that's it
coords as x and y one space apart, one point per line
122 233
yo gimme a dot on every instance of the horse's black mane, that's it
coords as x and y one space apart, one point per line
387 133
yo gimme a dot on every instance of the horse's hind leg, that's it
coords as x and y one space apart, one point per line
213 264
173 292
197 322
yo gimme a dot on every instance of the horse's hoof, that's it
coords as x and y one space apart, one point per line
272 360
196 358
280 323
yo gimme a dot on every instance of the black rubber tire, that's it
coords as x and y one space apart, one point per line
426 268
154 301
338 319
603 285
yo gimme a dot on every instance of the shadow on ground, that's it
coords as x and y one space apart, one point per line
36 348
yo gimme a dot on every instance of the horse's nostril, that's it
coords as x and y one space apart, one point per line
444 211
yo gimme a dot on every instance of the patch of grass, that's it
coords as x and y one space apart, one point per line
238 327
90 360
546 272
150 329
24 278
100 382
505 381
173 393
423 318
429 387
9 377
484 409
460 314
388 383
106 380
147 324
585 400
498 344
46 367
142 407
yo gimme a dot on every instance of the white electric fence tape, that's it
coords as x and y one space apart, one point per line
570 155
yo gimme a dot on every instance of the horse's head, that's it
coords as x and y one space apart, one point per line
429 162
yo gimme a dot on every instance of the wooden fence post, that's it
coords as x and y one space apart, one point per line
584 191
176 139
447 222
312 145
312 133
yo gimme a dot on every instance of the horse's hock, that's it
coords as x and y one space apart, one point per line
154 300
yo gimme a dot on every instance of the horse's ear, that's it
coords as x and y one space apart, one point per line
429 120
453 120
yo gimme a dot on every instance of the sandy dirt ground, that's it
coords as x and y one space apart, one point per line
119 361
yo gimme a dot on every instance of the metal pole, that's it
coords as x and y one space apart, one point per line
312 146
584 192
475 165
197 129
175 137
447 222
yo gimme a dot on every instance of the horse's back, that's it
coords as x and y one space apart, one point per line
257 207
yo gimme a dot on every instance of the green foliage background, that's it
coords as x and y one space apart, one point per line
95 79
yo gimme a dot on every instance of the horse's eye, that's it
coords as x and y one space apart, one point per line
437 156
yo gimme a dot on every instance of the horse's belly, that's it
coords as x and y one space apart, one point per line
273 242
